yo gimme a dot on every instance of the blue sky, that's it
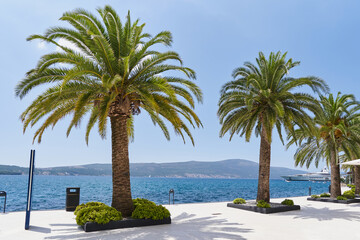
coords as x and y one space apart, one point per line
213 38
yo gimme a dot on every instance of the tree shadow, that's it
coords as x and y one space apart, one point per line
185 226
354 205
39 229
64 224
324 214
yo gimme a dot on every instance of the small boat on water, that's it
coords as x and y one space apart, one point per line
322 176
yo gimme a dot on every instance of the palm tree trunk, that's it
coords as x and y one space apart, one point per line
356 175
121 197
263 192
335 175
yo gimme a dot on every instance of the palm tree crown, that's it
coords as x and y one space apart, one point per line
262 97
336 134
337 126
112 72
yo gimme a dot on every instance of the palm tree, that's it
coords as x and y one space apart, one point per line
262 97
112 72
337 130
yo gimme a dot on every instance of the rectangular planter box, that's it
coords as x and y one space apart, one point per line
125 223
333 200
275 208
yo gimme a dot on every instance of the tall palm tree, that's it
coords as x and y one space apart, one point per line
113 72
336 133
262 97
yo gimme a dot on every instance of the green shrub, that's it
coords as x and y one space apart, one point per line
99 214
353 191
352 186
150 211
239 201
141 201
144 208
341 198
89 204
263 204
288 202
349 194
324 195
315 196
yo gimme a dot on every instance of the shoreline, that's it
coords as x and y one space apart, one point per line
49 192
181 198
59 209
167 177
343 188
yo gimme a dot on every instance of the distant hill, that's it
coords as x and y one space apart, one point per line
231 168
11 170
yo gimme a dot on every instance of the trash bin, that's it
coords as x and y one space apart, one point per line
72 198
3 194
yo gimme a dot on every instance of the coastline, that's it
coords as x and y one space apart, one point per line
50 191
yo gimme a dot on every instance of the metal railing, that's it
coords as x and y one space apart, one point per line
173 193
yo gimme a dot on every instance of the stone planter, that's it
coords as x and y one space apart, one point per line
275 207
334 200
125 223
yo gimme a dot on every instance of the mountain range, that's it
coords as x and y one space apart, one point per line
230 168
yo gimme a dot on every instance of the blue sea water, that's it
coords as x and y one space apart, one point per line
49 192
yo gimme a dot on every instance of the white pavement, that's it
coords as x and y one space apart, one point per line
203 221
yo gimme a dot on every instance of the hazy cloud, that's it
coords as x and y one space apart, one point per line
41 45
65 43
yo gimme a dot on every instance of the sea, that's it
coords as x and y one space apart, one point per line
49 192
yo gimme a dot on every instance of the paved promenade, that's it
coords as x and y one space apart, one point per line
203 221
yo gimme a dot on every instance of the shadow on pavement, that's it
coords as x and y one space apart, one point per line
184 226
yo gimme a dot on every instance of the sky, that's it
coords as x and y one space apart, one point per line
213 38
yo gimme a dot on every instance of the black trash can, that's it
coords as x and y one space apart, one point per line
72 198
3 194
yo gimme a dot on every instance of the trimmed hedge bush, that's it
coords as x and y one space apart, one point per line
288 202
141 201
101 213
315 196
324 195
239 201
150 211
98 214
89 204
263 204
341 198
352 186
145 209
349 194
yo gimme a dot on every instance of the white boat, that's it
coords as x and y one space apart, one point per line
322 176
